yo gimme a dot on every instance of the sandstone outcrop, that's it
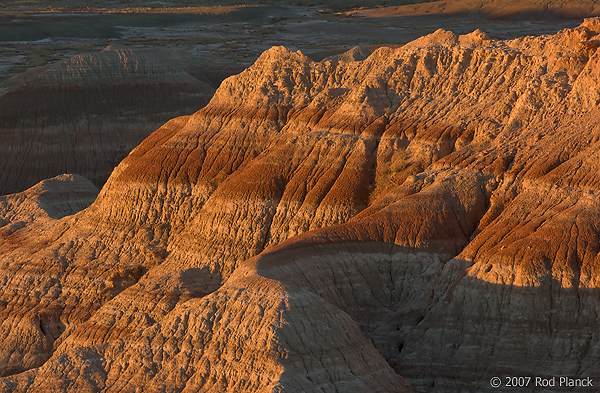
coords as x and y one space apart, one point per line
85 114
428 214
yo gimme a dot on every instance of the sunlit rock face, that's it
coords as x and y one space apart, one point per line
427 216
85 114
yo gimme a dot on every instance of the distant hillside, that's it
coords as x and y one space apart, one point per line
575 8
85 114
491 8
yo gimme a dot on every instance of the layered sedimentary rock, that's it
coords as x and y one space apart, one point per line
30 219
428 214
85 114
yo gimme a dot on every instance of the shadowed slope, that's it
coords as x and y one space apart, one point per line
84 114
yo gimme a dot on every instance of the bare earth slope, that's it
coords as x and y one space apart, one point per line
85 114
491 8
428 213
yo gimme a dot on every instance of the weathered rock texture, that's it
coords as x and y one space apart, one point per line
85 114
430 212
26 219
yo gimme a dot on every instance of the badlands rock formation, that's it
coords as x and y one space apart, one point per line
85 114
427 217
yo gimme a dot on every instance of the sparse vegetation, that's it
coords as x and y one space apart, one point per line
398 166
12 72
87 45
154 41
390 176
41 56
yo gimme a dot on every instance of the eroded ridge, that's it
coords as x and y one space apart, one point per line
429 212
